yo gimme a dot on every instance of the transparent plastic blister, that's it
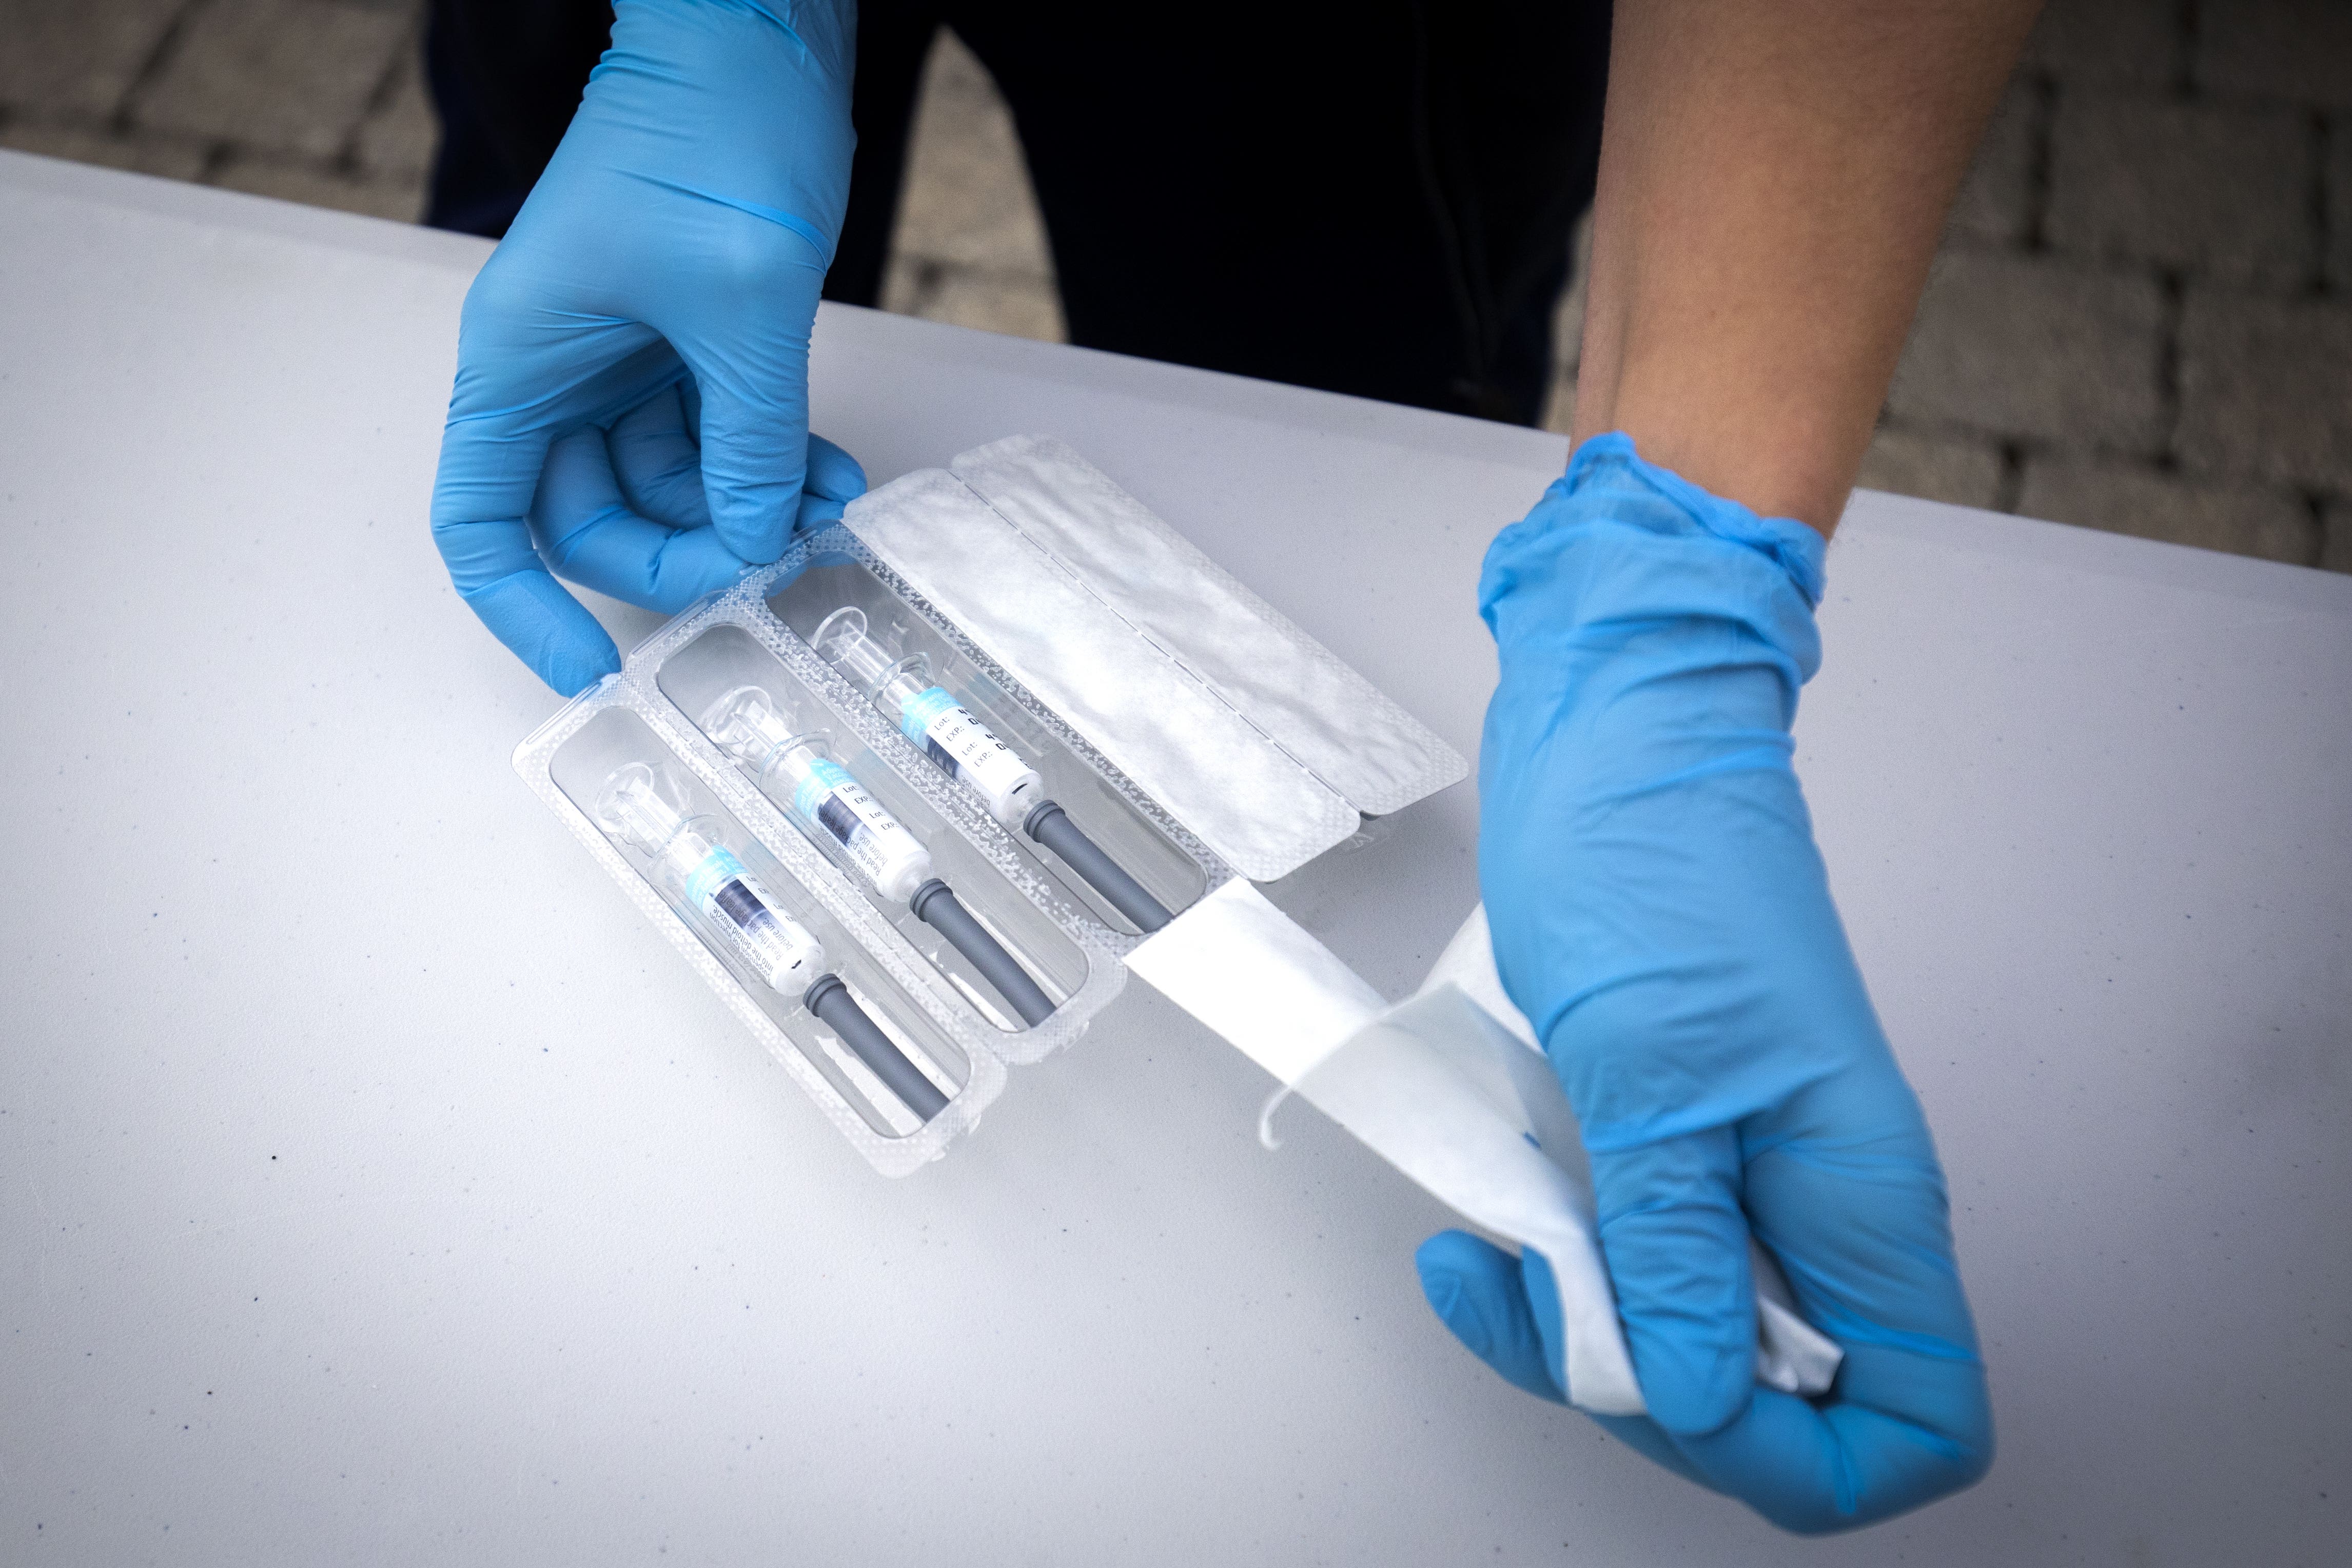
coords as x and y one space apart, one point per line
813 597
900 864
677 842
732 673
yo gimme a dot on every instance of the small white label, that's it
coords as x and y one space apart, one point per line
961 744
831 797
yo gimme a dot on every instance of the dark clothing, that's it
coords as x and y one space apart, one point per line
1373 198
505 75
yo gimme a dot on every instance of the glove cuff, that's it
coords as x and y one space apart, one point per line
1609 463
1620 546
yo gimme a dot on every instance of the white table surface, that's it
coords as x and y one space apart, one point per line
375 1186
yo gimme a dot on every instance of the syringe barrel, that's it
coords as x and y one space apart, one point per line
691 860
824 798
930 716
842 639
945 730
634 807
780 949
747 723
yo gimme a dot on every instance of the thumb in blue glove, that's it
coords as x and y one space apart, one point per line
649 314
1661 915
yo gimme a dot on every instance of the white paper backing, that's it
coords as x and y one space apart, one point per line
1448 1088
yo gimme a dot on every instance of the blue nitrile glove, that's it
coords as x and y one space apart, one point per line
1661 915
632 396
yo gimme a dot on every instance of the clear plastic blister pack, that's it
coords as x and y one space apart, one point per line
900 865
767 922
1132 868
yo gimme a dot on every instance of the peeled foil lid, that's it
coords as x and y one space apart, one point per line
1246 729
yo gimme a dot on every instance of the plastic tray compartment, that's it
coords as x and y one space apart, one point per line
570 762
1173 865
736 644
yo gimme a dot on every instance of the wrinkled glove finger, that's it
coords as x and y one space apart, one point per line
1845 1188
834 478
658 462
1477 1290
481 498
1837 1467
1675 1244
590 535
748 348
534 360
1846 1192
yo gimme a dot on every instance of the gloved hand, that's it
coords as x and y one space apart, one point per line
632 362
1661 915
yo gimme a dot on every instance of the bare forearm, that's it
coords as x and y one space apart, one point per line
1773 179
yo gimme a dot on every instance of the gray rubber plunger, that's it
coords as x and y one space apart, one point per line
830 1000
1051 826
935 903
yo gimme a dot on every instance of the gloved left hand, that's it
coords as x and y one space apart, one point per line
1661 915
632 396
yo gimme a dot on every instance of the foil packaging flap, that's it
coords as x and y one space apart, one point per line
1249 732
1335 724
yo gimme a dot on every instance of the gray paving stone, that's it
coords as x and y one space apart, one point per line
174 160
1018 305
1996 200
2242 518
77 57
399 199
2055 351
2203 187
398 140
2139 43
2031 347
1933 468
286 76
967 198
2297 50
2266 389
2335 549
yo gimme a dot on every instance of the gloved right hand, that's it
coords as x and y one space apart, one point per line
1662 915
655 293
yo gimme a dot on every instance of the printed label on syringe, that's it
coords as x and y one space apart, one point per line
720 888
832 798
712 874
965 747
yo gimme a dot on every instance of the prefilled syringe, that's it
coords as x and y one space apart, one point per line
945 730
691 860
840 816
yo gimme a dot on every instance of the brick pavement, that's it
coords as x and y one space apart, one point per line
2141 319
311 100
